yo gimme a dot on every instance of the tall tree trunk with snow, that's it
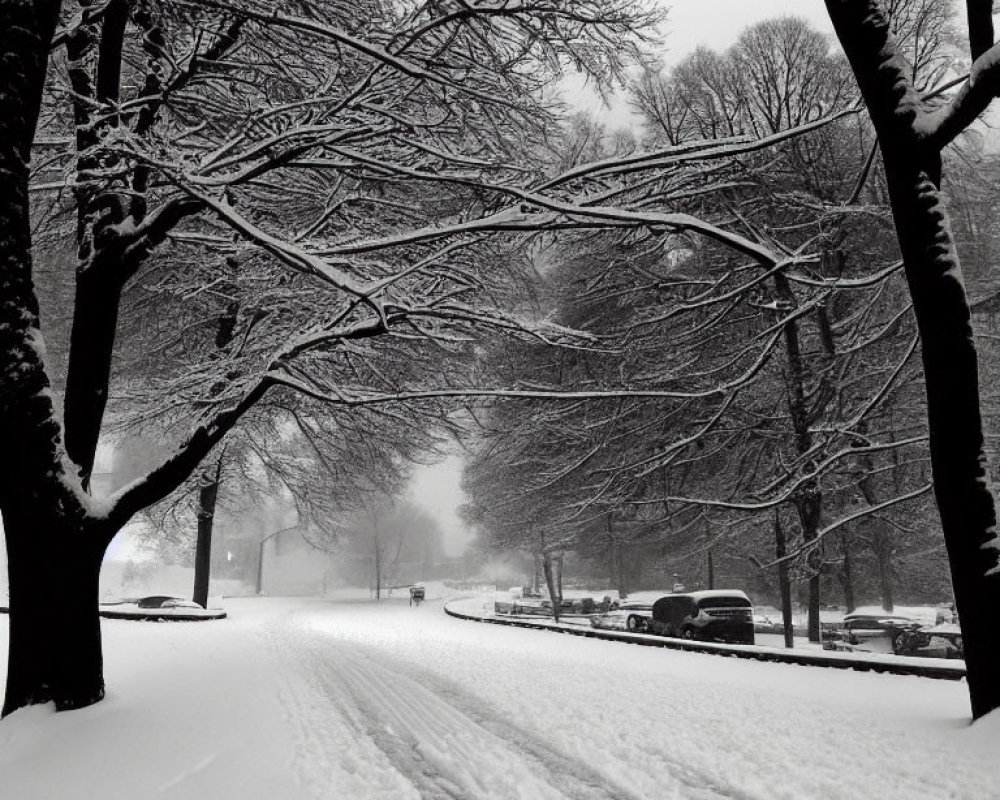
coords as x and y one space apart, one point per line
54 548
55 536
911 135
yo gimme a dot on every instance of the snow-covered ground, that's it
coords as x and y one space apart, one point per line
354 699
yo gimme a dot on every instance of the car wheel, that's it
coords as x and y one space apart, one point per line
634 623
687 633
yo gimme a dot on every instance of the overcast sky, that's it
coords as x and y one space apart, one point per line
714 23
437 489
717 23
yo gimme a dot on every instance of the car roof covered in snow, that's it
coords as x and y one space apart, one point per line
709 594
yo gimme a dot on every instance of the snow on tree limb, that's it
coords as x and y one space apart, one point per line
811 545
940 127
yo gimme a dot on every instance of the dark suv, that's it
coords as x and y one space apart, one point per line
716 615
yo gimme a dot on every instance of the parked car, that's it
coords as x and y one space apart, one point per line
632 613
929 641
715 615
165 601
920 633
633 619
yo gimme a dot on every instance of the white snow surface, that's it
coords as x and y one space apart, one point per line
358 699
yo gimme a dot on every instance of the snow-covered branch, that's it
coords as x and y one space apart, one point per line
860 514
178 467
704 150
940 127
373 51
800 481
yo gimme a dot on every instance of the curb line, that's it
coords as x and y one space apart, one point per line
801 659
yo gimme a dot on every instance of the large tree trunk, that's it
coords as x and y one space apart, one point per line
55 632
913 173
54 549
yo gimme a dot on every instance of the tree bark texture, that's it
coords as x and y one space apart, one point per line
54 549
55 632
912 165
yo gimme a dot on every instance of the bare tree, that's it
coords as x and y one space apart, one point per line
388 541
912 135
421 99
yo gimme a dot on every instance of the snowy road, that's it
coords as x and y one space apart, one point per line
417 732
439 708
300 699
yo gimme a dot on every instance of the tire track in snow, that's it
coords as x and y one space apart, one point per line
679 782
445 743
444 753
